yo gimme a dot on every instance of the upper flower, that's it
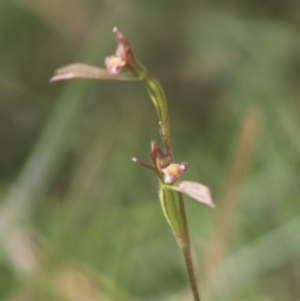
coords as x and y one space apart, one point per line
123 56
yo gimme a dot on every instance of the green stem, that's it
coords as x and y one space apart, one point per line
174 210
154 90
157 96
165 135
186 250
178 223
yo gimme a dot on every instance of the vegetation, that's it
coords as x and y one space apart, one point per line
79 221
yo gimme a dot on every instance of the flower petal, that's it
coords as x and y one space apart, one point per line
195 190
78 70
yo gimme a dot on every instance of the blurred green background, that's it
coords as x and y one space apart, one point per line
79 221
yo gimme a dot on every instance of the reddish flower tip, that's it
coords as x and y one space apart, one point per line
119 35
123 51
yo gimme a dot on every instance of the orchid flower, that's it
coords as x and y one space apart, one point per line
124 66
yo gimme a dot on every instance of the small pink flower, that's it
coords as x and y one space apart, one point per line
170 172
124 55
114 64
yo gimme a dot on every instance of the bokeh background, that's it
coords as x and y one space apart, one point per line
79 221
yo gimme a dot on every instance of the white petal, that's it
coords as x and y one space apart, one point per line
78 70
195 190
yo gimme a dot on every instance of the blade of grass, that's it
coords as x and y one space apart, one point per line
222 232
269 252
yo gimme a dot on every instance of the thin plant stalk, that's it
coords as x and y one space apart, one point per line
186 251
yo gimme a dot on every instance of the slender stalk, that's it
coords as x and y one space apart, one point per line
164 132
182 238
159 100
186 250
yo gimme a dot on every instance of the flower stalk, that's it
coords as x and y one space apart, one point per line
163 165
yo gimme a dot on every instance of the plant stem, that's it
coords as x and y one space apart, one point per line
183 238
164 132
186 250
158 98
